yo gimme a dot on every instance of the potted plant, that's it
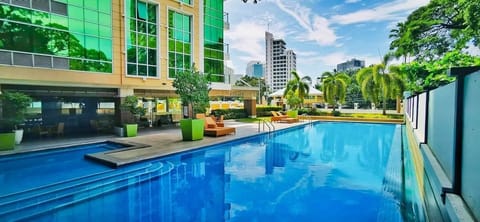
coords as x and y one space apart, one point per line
192 87
131 104
14 106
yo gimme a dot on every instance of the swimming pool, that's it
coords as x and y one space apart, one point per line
319 172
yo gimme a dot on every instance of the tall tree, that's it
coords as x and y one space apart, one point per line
381 82
439 27
334 87
296 87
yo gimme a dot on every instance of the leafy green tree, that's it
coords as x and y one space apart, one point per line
437 28
381 82
431 74
334 87
254 82
296 87
193 87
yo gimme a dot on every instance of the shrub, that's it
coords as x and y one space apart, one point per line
336 113
230 113
266 110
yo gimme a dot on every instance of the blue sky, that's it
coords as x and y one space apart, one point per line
323 33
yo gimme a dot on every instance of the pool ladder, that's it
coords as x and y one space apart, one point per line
268 124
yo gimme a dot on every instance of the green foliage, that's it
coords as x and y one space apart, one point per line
334 87
14 106
296 90
381 82
336 113
131 104
265 111
437 28
230 113
431 74
193 87
254 82
294 100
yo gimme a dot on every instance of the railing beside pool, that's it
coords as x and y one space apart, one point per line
444 133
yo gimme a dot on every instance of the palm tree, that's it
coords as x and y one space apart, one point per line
334 87
296 87
381 81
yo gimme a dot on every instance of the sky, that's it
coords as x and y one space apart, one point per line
322 33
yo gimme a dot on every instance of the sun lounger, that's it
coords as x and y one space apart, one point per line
211 128
277 116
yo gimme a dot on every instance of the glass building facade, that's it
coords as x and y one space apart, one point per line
141 31
58 34
213 40
179 42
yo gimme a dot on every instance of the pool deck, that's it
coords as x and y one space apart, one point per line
162 141
152 142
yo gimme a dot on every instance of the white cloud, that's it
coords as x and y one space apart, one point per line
351 1
317 28
384 12
249 38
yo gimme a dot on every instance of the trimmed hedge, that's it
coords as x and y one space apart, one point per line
266 110
240 113
230 113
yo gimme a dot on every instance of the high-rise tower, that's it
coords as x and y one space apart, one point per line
279 63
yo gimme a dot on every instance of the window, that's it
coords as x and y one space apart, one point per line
141 38
179 43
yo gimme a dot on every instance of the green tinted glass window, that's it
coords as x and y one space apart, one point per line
92 4
40 18
105 19
60 22
179 42
152 13
142 10
91 16
91 29
213 37
142 29
105 31
74 34
105 6
105 49
75 13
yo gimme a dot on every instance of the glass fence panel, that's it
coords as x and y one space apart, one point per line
471 151
441 126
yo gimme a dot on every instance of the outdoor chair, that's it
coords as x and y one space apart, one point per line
60 129
219 120
277 116
211 128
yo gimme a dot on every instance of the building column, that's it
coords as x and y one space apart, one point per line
121 115
250 106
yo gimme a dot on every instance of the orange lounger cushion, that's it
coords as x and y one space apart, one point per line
219 131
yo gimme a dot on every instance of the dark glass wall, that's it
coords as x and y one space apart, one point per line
213 44
61 34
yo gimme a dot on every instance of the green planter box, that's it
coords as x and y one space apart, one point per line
192 129
131 130
292 113
7 141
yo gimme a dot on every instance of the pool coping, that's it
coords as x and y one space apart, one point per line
108 157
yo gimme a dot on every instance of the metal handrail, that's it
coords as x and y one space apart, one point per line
269 125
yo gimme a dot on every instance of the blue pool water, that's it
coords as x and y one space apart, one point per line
319 172
28 170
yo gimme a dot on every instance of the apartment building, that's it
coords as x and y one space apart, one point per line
279 63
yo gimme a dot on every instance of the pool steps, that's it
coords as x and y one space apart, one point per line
47 198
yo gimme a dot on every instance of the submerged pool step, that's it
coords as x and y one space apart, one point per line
14 197
65 196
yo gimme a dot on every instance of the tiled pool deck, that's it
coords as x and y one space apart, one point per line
160 141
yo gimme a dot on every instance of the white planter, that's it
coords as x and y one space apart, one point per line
18 136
